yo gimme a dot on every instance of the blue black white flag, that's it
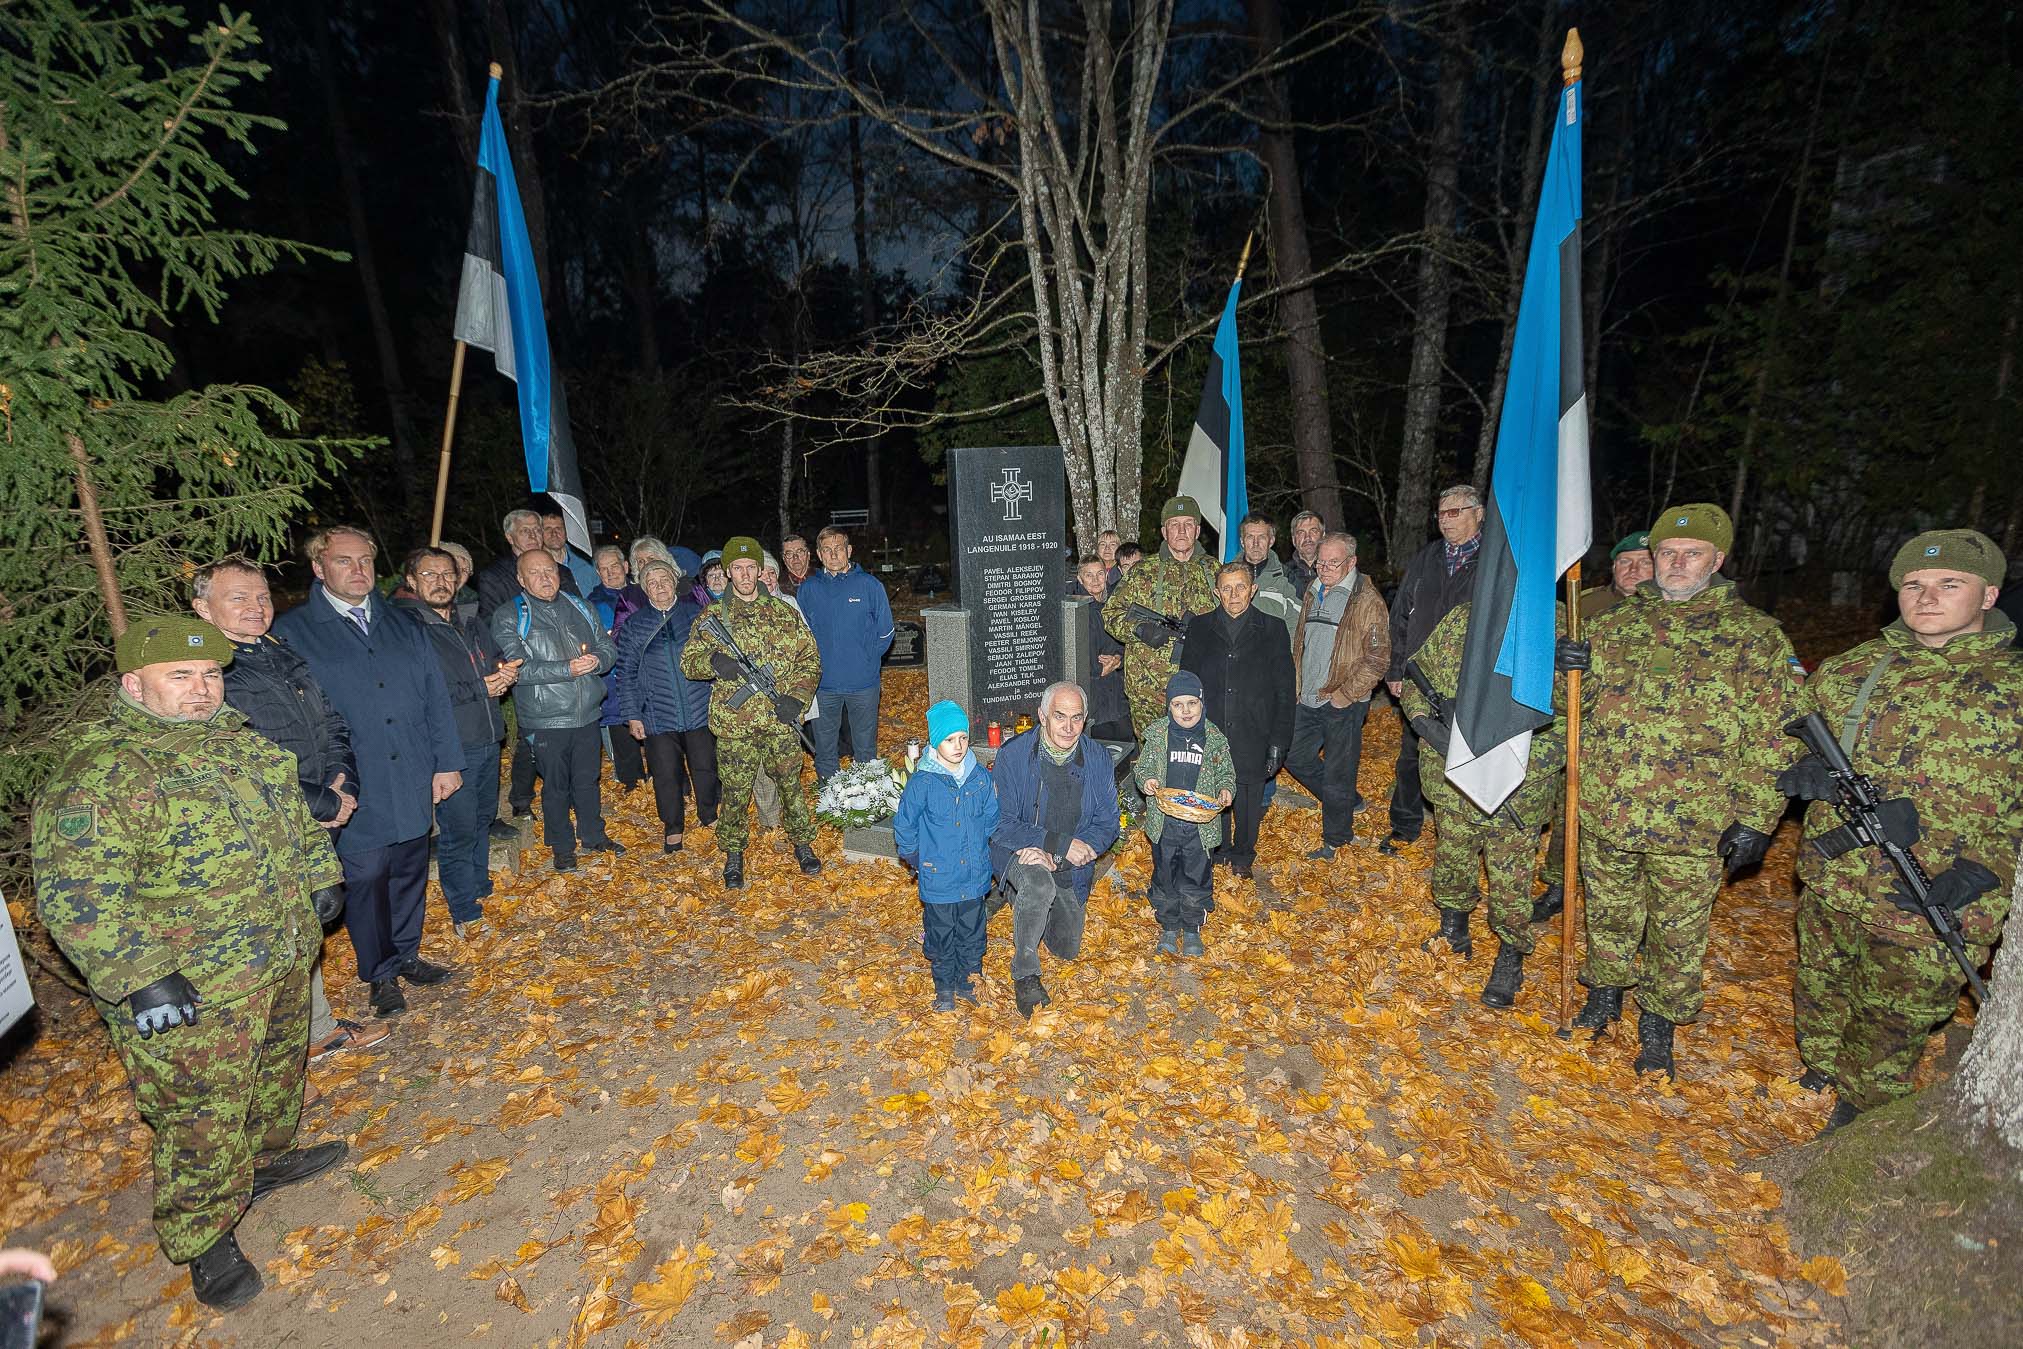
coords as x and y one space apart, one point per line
1539 519
499 309
1213 472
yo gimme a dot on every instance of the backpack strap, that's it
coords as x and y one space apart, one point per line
1850 726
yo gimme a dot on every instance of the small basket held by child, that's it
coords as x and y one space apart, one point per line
1180 803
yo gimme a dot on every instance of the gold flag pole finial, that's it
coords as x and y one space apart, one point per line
1244 261
1570 56
499 72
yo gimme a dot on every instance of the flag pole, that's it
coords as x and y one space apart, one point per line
1569 914
435 528
1244 261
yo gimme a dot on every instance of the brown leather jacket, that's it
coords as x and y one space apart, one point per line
1362 645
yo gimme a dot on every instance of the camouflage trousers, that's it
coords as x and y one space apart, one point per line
1554 870
1466 843
1654 904
1146 670
1866 1006
775 750
217 1094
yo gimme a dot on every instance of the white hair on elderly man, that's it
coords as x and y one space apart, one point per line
1055 689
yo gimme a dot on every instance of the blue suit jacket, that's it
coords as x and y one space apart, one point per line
389 688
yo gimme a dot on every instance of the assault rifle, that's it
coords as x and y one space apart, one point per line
1443 710
1857 801
1176 626
754 680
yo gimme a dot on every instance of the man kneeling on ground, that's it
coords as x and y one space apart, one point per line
1057 797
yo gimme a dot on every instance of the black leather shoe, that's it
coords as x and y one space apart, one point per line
810 864
1603 1006
223 1277
1393 845
1453 931
502 830
295 1165
610 845
1549 904
1505 979
1654 1041
1030 994
386 998
734 871
423 972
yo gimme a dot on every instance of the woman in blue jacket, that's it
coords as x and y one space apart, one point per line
668 712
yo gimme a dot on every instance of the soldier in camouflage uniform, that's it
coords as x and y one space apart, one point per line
1179 582
1929 711
1682 738
755 732
178 867
1467 841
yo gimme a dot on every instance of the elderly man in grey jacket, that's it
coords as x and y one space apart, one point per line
558 699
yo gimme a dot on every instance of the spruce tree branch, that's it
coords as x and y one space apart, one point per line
226 42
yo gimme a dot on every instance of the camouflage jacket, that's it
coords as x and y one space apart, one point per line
771 635
1683 717
1218 775
1439 659
166 846
1945 728
1165 585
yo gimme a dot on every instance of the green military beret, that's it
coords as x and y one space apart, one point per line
1701 520
1966 550
1631 543
1179 506
743 547
168 637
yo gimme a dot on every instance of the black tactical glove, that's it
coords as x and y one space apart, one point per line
1273 761
1954 888
1154 634
1899 817
725 665
1742 846
1806 780
1432 732
329 902
1568 654
790 709
167 1002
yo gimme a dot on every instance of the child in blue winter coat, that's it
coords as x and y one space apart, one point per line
943 827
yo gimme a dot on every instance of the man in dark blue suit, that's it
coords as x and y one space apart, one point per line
376 666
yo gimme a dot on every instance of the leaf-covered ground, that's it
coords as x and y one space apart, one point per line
651 1113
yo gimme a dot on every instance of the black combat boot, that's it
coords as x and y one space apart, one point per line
297 1164
810 864
1453 931
1603 1006
1654 1040
734 871
1549 904
1030 994
1842 1116
1505 979
223 1277
1814 1080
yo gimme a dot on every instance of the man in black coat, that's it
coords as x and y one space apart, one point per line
1240 655
1109 709
1439 576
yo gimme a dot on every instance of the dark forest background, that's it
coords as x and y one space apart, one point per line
1801 260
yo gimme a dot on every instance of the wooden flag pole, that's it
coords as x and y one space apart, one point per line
1569 915
435 528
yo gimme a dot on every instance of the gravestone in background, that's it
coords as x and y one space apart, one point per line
1001 643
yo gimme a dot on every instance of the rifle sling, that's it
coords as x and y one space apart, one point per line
1850 726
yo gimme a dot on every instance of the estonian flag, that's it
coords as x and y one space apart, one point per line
1539 519
499 309
1212 473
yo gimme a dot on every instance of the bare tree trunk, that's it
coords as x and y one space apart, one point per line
642 285
95 539
1518 253
1435 299
867 297
391 380
1989 1084
1305 355
787 452
520 142
449 41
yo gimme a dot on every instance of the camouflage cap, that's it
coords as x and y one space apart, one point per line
743 547
1179 506
169 637
1701 520
1632 543
1966 550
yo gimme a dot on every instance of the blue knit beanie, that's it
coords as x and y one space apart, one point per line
944 719
1183 684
